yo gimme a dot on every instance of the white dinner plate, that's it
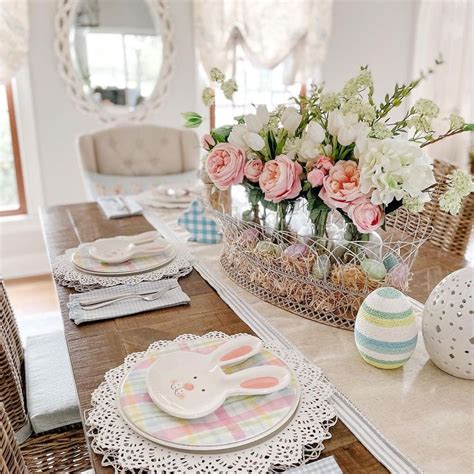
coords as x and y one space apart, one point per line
82 260
241 421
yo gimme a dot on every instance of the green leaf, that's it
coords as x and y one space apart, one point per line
468 127
272 145
240 119
191 119
221 134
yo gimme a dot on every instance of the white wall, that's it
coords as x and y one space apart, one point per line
58 120
375 32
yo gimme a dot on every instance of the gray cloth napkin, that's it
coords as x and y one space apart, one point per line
173 297
322 466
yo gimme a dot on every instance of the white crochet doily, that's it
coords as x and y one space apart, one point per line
298 443
67 275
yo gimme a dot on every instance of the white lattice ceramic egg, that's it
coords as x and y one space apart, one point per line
448 324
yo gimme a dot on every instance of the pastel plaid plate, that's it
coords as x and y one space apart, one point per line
239 421
85 263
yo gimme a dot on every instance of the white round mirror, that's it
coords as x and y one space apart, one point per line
115 55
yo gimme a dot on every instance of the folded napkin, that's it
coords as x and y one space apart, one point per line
323 466
115 207
175 296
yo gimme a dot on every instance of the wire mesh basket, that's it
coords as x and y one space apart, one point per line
324 280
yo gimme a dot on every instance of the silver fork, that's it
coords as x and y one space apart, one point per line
151 297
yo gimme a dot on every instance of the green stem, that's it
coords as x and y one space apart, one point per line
319 222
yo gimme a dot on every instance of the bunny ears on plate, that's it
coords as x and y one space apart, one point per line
192 385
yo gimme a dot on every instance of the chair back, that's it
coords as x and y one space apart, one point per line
11 365
139 150
448 232
9 330
11 459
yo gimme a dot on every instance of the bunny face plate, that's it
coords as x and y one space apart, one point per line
240 421
192 385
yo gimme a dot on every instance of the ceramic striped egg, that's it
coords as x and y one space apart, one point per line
385 329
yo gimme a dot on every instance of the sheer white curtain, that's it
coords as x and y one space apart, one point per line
446 27
270 31
13 37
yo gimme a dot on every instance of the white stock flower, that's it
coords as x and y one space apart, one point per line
291 119
241 136
392 169
292 147
347 128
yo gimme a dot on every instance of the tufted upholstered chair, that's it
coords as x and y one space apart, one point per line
139 150
130 159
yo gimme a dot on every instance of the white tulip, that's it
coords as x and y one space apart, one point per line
335 122
291 120
236 136
254 141
255 122
316 132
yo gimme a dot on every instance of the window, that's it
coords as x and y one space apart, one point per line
256 86
12 190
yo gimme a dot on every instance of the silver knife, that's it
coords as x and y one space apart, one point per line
103 299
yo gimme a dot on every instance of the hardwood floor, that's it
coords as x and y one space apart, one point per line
32 295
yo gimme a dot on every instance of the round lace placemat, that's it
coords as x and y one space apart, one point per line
300 442
66 274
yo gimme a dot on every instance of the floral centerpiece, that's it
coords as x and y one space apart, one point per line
338 150
338 153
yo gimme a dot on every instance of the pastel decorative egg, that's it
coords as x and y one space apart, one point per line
268 248
385 329
448 324
399 275
321 267
390 261
374 269
296 251
249 237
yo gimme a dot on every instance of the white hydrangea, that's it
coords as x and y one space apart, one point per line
393 169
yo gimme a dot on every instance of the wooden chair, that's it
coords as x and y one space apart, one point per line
449 233
61 450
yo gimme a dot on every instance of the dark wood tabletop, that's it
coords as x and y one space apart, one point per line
108 342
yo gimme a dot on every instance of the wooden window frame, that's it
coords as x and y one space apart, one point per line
20 184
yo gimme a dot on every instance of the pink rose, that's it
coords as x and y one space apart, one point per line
280 179
253 169
324 163
365 215
207 142
318 169
342 185
225 165
315 177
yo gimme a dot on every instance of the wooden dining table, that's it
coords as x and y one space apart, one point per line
107 343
